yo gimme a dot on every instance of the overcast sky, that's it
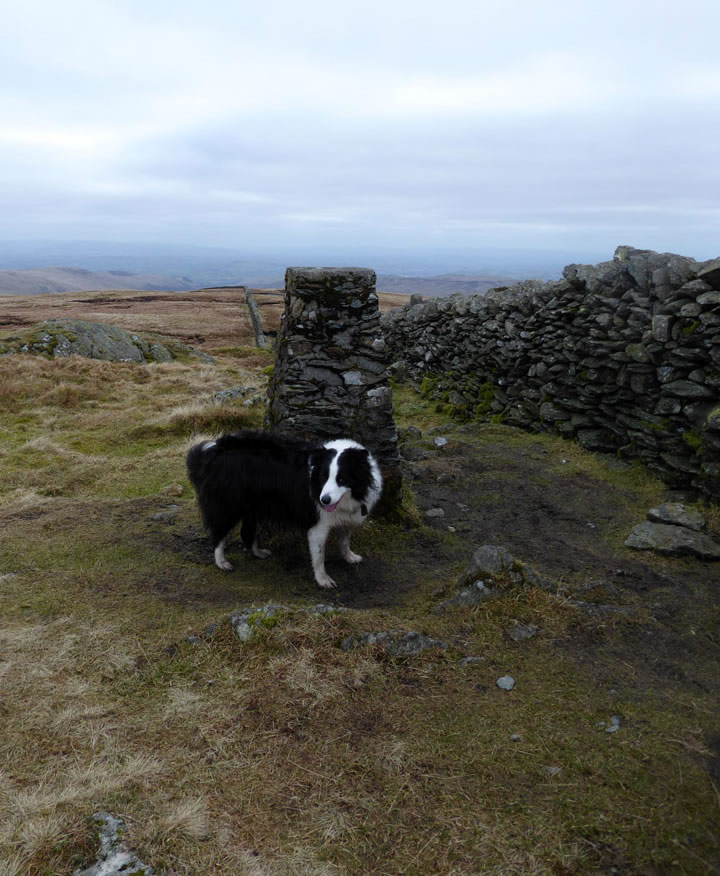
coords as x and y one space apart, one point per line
270 124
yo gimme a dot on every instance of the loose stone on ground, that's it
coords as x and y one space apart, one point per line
114 859
673 529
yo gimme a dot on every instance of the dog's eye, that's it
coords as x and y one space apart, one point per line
340 481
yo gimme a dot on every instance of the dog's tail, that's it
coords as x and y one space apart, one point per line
198 458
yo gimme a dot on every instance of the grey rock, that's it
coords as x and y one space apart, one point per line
167 516
476 593
521 632
688 389
246 623
487 561
506 682
326 608
408 645
114 858
677 514
614 724
470 661
435 512
672 540
77 337
713 419
710 273
237 392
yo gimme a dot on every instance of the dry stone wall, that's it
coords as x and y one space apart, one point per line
624 356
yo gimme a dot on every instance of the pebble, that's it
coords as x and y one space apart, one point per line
167 516
614 725
469 661
520 632
507 682
435 512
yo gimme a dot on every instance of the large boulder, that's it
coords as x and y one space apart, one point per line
76 337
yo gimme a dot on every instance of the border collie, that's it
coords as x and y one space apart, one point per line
252 476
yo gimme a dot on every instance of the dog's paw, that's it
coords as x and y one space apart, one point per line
325 581
224 565
352 557
261 553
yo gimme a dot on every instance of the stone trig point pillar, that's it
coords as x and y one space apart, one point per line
331 369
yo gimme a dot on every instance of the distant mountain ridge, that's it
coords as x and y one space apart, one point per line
440 286
40 281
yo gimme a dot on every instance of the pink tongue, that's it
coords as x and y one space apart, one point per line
332 507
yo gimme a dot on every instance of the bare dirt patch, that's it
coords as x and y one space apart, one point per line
570 527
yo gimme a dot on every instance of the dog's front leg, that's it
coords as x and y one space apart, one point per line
317 538
220 561
349 555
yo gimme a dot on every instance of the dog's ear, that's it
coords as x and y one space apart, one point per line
315 456
357 460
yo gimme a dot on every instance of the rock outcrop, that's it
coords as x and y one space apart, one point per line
76 337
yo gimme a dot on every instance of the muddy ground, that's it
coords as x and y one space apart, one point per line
568 527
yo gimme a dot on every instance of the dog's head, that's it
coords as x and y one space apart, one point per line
337 469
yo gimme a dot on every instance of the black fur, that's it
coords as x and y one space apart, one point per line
252 476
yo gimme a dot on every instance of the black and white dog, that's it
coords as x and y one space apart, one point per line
255 476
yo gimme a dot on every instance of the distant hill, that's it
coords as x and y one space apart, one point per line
440 286
39 281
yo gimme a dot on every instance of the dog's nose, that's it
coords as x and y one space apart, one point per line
326 499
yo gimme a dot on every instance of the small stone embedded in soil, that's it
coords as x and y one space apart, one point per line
435 512
468 597
520 632
245 623
470 661
173 490
410 644
506 682
167 516
489 560
440 442
614 725
115 859
516 737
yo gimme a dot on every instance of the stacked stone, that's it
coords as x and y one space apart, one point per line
331 376
624 356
